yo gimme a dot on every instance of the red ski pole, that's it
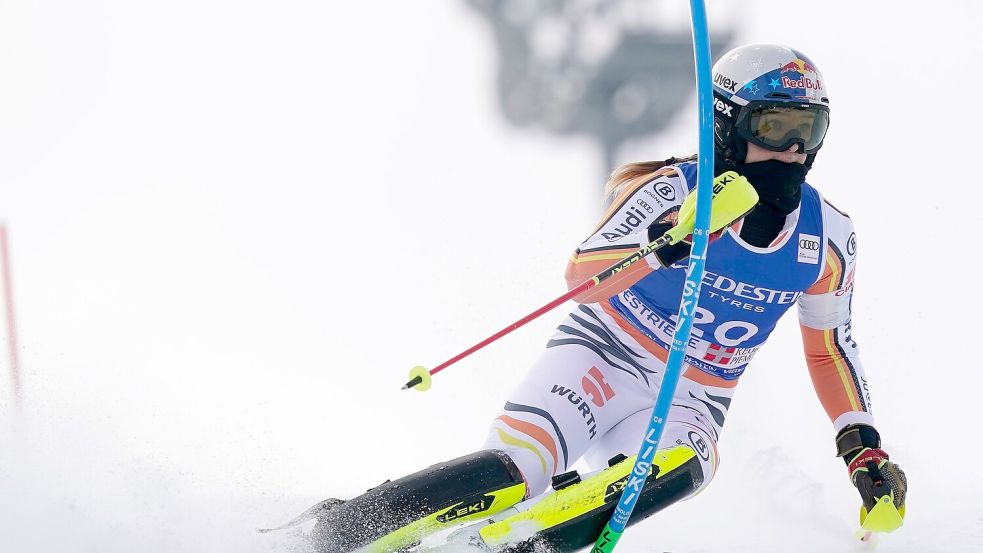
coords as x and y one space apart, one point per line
732 199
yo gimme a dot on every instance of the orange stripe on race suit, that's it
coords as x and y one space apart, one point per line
655 349
707 379
831 375
534 432
778 240
584 266
661 353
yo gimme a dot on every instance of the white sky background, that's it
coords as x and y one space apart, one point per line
236 225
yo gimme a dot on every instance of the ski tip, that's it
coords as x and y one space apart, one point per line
275 529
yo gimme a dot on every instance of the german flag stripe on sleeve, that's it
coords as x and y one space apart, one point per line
834 272
585 266
833 373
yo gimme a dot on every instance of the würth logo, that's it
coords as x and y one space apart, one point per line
595 387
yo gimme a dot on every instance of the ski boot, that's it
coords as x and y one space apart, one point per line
574 515
396 515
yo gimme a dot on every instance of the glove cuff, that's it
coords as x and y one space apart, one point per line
867 455
854 438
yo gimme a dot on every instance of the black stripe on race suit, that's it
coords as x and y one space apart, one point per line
605 341
701 419
594 346
839 255
723 400
601 329
518 407
610 344
846 359
715 412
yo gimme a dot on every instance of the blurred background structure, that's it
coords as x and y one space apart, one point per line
613 70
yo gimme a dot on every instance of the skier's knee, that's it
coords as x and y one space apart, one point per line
704 447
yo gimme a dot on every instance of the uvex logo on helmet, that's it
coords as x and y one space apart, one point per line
723 107
725 82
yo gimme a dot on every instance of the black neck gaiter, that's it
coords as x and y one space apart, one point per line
779 188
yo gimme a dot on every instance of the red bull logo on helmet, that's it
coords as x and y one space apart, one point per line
808 77
802 82
798 65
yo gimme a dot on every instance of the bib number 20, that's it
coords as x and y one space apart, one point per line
728 334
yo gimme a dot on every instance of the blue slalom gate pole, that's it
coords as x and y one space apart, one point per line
691 291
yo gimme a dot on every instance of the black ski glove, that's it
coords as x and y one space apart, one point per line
881 483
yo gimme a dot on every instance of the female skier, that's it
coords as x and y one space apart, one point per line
591 392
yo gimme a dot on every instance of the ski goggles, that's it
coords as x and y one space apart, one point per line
777 126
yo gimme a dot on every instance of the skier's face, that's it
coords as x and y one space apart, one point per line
757 153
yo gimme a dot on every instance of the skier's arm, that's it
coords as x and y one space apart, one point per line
637 205
824 316
840 382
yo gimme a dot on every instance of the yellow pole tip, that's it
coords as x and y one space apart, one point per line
420 379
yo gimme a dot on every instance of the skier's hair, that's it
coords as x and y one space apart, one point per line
631 171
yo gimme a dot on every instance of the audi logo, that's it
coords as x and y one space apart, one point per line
645 205
806 244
